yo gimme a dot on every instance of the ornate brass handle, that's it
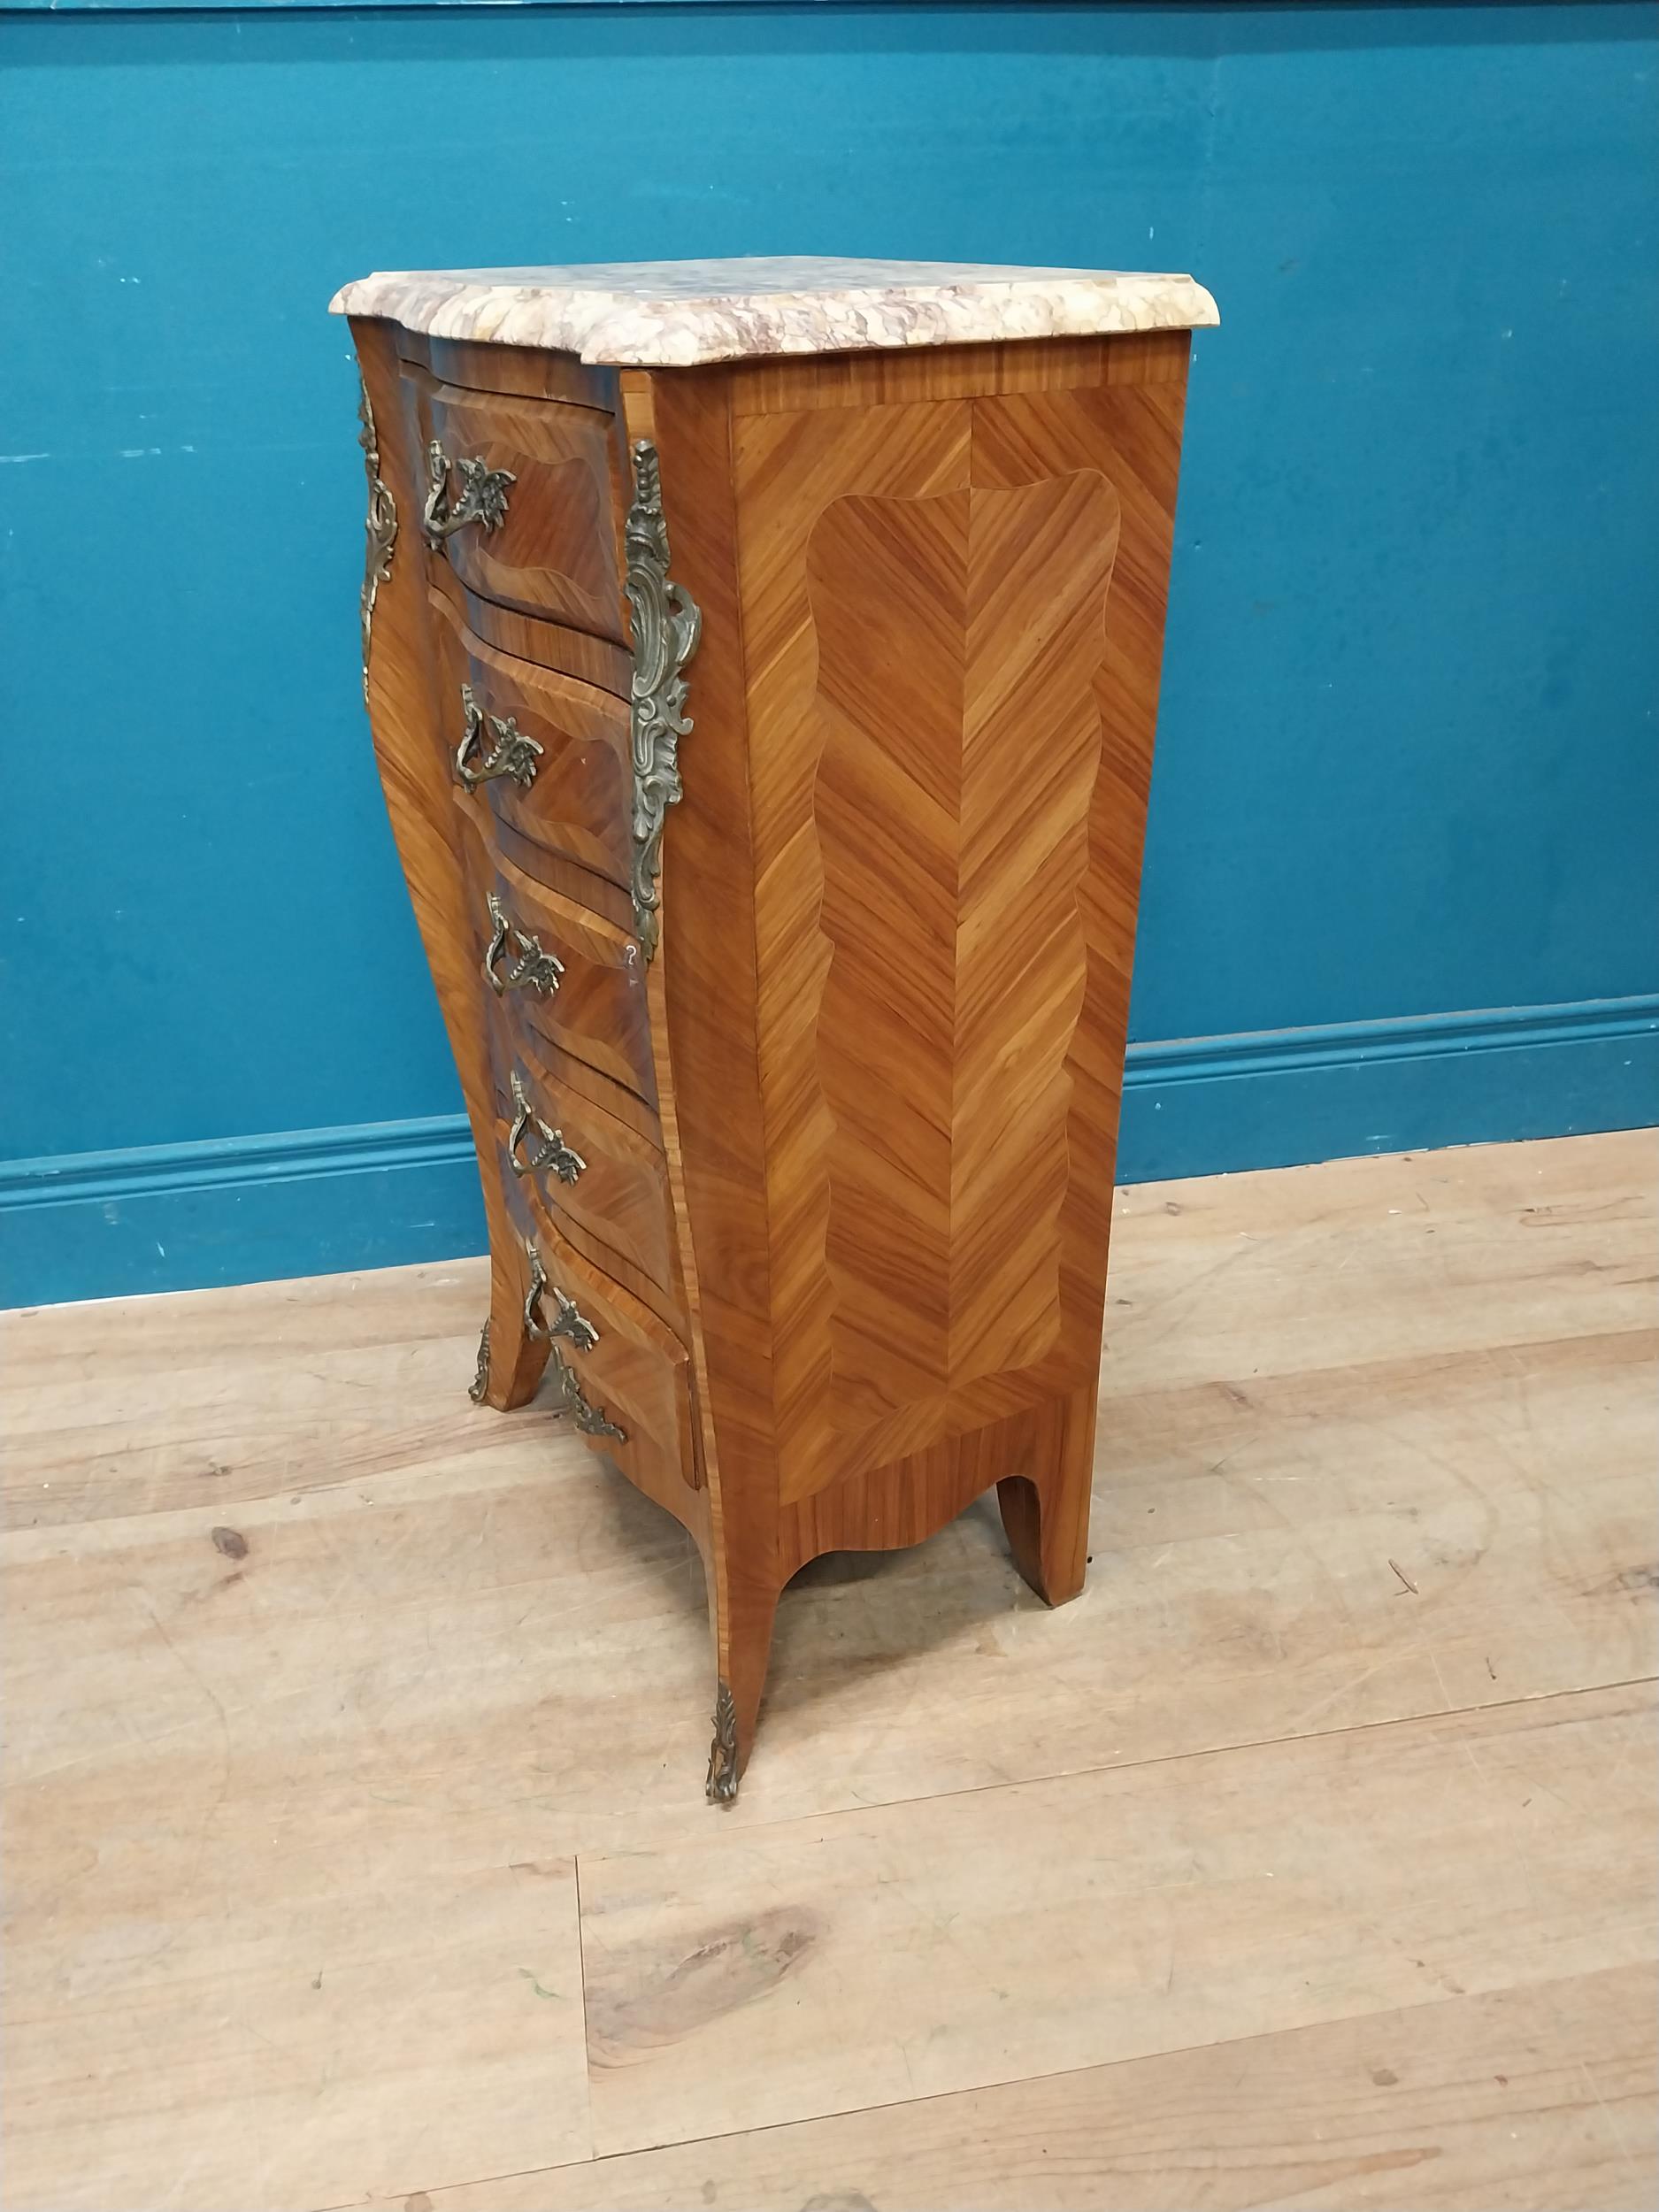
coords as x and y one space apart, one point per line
550 1150
589 1418
530 969
513 754
667 625
568 1322
382 528
483 498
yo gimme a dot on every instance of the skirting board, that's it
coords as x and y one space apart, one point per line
324 1202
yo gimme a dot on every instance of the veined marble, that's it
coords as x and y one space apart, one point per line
673 314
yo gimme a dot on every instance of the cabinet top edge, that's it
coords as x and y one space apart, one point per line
679 314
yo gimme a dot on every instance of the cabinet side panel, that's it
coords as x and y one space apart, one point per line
957 640
1041 582
792 469
1132 434
886 583
954 614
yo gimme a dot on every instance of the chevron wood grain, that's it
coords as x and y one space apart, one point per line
854 1128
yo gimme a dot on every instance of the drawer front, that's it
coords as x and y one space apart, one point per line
524 501
594 1175
550 756
525 637
520 372
623 1378
562 971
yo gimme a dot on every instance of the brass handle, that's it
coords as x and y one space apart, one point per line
550 1150
513 754
589 1418
530 969
592 1420
569 1321
483 498
382 528
667 625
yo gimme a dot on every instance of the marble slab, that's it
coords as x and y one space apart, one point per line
673 314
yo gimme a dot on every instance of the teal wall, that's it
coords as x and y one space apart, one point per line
1401 886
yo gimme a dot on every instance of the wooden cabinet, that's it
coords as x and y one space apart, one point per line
764 705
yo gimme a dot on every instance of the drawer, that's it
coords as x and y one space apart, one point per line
525 500
551 757
624 1380
599 1178
562 971
533 637
520 372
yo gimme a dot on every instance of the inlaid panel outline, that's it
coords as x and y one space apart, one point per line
822 1436
1029 1163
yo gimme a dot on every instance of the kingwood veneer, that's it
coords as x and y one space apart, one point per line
795 1106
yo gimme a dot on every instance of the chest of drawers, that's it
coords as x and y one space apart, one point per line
761 660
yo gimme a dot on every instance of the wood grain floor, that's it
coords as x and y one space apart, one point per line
354 1853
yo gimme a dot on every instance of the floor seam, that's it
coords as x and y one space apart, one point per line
1167 1758
1014 2081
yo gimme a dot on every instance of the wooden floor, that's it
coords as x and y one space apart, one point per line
356 1845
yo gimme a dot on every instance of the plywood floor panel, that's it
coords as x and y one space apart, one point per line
313 1669
952 1943
1500 2103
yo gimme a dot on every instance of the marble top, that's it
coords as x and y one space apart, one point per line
673 314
